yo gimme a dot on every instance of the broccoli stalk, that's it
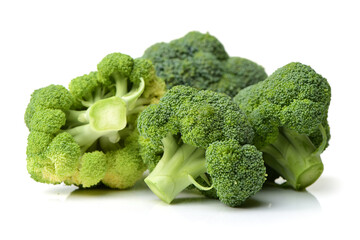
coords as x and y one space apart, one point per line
106 117
295 157
180 164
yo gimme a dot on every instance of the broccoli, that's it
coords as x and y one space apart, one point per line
192 134
237 172
288 112
200 60
87 135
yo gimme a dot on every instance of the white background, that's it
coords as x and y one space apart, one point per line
45 42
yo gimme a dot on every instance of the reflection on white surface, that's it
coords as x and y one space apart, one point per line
138 208
285 199
270 198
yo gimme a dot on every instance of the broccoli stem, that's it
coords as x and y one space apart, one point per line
136 110
104 119
134 94
177 169
98 94
140 105
84 135
75 118
121 84
295 158
140 102
107 145
130 97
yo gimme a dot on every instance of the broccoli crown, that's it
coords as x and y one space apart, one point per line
199 117
290 109
176 132
237 172
200 60
294 96
88 135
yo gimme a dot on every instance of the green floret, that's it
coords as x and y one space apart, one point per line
125 164
238 74
54 97
93 169
85 136
64 153
288 112
35 152
48 120
200 60
176 133
87 89
237 172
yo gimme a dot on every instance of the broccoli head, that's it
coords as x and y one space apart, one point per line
200 60
175 137
88 135
236 171
288 112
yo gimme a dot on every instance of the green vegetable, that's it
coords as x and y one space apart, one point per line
200 60
193 137
288 112
237 172
88 135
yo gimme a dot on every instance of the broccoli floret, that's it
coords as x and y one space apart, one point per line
238 74
125 165
288 112
200 60
237 172
175 136
88 135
